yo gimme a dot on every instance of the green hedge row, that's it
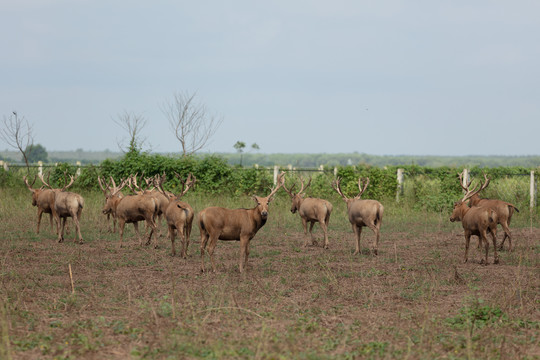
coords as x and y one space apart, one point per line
432 189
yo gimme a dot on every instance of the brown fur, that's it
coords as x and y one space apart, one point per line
311 210
477 221
43 199
217 223
504 212
66 204
363 213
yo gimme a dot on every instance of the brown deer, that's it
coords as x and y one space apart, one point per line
132 209
217 223
503 209
108 191
161 200
478 221
179 214
362 213
43 199
311 210
66 204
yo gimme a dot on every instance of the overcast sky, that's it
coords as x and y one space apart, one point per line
377 77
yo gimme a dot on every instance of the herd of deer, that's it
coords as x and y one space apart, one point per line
478 218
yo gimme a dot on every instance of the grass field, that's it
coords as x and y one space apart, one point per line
415 300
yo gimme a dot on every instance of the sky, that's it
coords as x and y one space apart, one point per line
384 77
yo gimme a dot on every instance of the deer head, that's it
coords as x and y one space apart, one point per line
297 197
262 202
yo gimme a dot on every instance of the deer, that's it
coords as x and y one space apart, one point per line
504 211
161 200
362 213
108 191
218 223
476 220
179 214
132 209
66 204
311 210
43 199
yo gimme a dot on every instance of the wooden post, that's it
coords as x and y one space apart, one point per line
466 177
78 172
533 191
40 168
321 168
399 184
335 171
4 164
276 172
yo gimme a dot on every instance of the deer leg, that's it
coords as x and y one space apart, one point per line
467 242
39 213
171 236
150 223
51 221
357 233
304 224
375 243
324 227
136 227
78 224
486 246
109 223
244 252
311 224
77 229
121 224
61 232
494 240
211 247
182 236
186 236
153 228
508 235
204 241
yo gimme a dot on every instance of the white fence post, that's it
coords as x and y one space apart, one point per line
78 172
335 171
533 191
466 176
4 164
276 172
400 184
40 168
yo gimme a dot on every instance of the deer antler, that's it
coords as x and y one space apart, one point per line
289 191
43 181
186 184
362 186
470 193
302 187
72 180
106 188
280 182
336 184
29 186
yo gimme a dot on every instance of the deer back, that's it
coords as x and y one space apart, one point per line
67 203
136 208
363 211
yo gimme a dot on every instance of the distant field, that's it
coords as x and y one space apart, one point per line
415 300
307 160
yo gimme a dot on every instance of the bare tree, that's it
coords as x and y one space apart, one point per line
191 123
17 133
133 125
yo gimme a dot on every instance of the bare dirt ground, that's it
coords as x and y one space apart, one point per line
416 299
